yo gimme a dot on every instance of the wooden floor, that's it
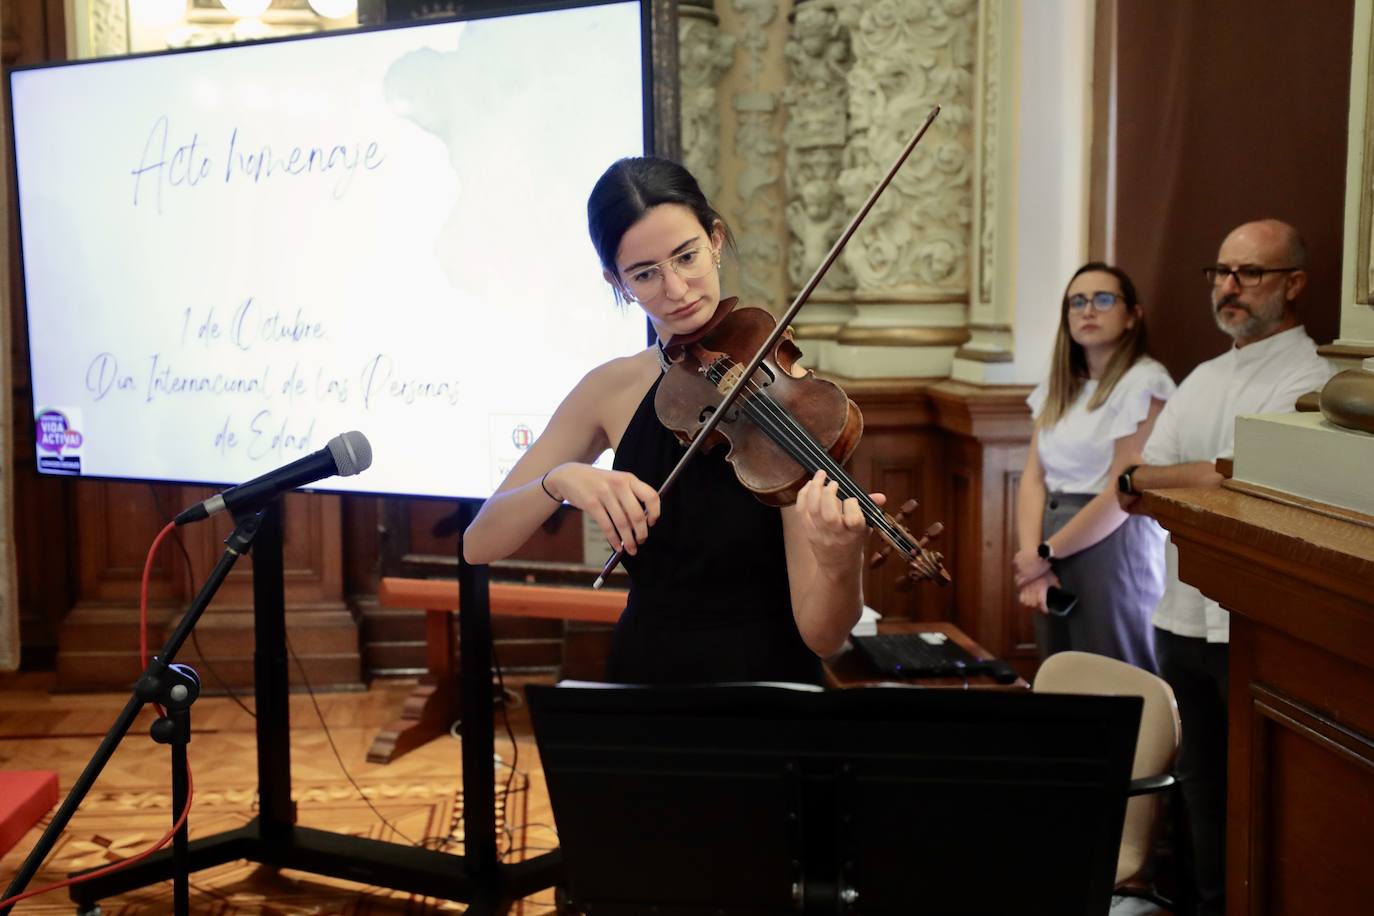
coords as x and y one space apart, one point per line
130 806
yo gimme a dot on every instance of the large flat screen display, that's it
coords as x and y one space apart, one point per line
233 254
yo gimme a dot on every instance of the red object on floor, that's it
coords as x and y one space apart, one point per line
25 796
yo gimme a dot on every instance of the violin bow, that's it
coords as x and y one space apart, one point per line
783 323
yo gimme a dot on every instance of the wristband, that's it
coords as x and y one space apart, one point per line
1045 551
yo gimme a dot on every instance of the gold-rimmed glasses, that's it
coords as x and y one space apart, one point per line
647 282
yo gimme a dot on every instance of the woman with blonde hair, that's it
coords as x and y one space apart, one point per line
1092 418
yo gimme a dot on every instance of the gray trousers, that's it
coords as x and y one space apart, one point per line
1118 582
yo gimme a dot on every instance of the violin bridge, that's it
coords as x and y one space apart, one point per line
728 377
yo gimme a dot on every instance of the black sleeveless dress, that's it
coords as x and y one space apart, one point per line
709 598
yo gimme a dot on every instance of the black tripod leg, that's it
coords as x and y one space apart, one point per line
181 856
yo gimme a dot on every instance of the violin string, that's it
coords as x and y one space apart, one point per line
806 447
794 439
802 447
799 444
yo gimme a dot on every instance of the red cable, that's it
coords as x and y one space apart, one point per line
190 788
143 594
122 863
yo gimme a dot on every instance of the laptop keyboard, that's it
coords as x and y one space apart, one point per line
903 655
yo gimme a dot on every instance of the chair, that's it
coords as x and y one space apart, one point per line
1156 749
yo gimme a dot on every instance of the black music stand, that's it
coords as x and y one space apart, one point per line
757 799
273 838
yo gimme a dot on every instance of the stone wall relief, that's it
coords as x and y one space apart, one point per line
816 100
910 56
758 146
704 54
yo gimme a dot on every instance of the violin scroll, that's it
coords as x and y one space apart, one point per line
922 563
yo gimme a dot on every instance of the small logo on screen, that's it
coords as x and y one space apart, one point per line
522 437
55 433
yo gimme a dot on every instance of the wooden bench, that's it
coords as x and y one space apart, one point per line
433 705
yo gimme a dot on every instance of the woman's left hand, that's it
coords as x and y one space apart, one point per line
1028 566
835 529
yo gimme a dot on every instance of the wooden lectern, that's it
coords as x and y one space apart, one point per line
1298 578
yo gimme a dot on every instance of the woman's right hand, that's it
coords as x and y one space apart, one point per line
619 502
1033 593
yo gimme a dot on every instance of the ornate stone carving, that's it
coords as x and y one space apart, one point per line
705 53
817 100
991 37
910 55
757 145
107 29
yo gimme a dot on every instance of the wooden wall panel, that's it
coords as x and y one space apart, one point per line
987 431
116 524
902 456
1301 805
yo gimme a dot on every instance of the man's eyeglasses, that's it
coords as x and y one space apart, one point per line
1101 300
692 264
1245 276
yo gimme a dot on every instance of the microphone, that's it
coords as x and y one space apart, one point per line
344 456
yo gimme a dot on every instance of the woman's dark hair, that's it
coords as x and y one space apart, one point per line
628 189
1069 365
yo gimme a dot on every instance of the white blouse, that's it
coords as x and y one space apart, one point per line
1076 453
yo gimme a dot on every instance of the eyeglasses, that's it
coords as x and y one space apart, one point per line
1102 301
692 264
1245 276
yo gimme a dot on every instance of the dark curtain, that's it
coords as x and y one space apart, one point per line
1227 111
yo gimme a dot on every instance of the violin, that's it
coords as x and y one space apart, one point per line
784 427
718 374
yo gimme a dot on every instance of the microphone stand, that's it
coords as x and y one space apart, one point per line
161 682
478 878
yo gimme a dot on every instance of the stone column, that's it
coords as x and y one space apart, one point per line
910 260
817 103
988 353
755 90
704 54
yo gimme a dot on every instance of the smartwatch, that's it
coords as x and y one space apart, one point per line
1123 483
1045 551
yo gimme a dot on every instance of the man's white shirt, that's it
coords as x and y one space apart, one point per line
1199 424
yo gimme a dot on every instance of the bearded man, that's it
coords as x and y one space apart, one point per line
1259 274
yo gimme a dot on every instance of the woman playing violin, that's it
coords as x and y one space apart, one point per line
723 587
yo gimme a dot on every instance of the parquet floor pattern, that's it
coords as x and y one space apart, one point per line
129 808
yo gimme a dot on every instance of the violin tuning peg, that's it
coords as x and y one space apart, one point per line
934 531
908 507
